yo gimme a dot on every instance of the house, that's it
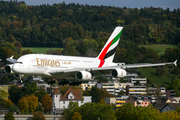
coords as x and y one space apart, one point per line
164 107
163 100
132 99
138 101
62 101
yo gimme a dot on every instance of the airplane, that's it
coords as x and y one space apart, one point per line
73 67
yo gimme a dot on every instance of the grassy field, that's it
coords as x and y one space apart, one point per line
159 48
39 49
151 73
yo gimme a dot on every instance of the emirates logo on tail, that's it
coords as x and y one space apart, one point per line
110 47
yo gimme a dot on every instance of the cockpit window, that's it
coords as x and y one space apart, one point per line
19 62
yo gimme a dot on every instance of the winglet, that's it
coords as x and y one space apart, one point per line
175 63
11 57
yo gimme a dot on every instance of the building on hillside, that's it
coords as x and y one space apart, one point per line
121 100
16 83
133 78
85 85
170 93
110 100
129 76
136 90
110 78
156 91
122 86
142 81
62 101
114 87
86 99
175 100
37 78
42 85
117 101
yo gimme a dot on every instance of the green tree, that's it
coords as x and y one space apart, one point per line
128 111
161 70
92 111
76 116
137 83
26 52
97 94
57 52
121 93
32 87
9 116
39 108
5 52
123 55
38 116
18 46
4 80
47 103
13 108
28 104
3 94
69 48
69 112
40 94
102 101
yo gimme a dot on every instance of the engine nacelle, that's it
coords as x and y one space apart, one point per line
8 69
17 75
118 73
83 75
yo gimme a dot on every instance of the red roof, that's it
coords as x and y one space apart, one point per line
56 91
76 93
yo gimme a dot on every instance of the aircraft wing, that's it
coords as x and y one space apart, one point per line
11 59
148 65
110 67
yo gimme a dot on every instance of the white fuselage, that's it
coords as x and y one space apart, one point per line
39 64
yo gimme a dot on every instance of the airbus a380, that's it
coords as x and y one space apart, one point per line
68 67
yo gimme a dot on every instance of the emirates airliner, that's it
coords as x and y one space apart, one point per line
68 67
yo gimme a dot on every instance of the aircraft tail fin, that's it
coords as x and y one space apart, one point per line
108 51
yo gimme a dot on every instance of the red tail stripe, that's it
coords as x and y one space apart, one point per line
101 63
101 57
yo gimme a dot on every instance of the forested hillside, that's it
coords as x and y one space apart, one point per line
83 29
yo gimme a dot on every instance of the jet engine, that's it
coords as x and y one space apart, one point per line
83 75
118 73
16 75
8 69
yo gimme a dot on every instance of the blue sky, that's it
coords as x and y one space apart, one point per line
172 4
